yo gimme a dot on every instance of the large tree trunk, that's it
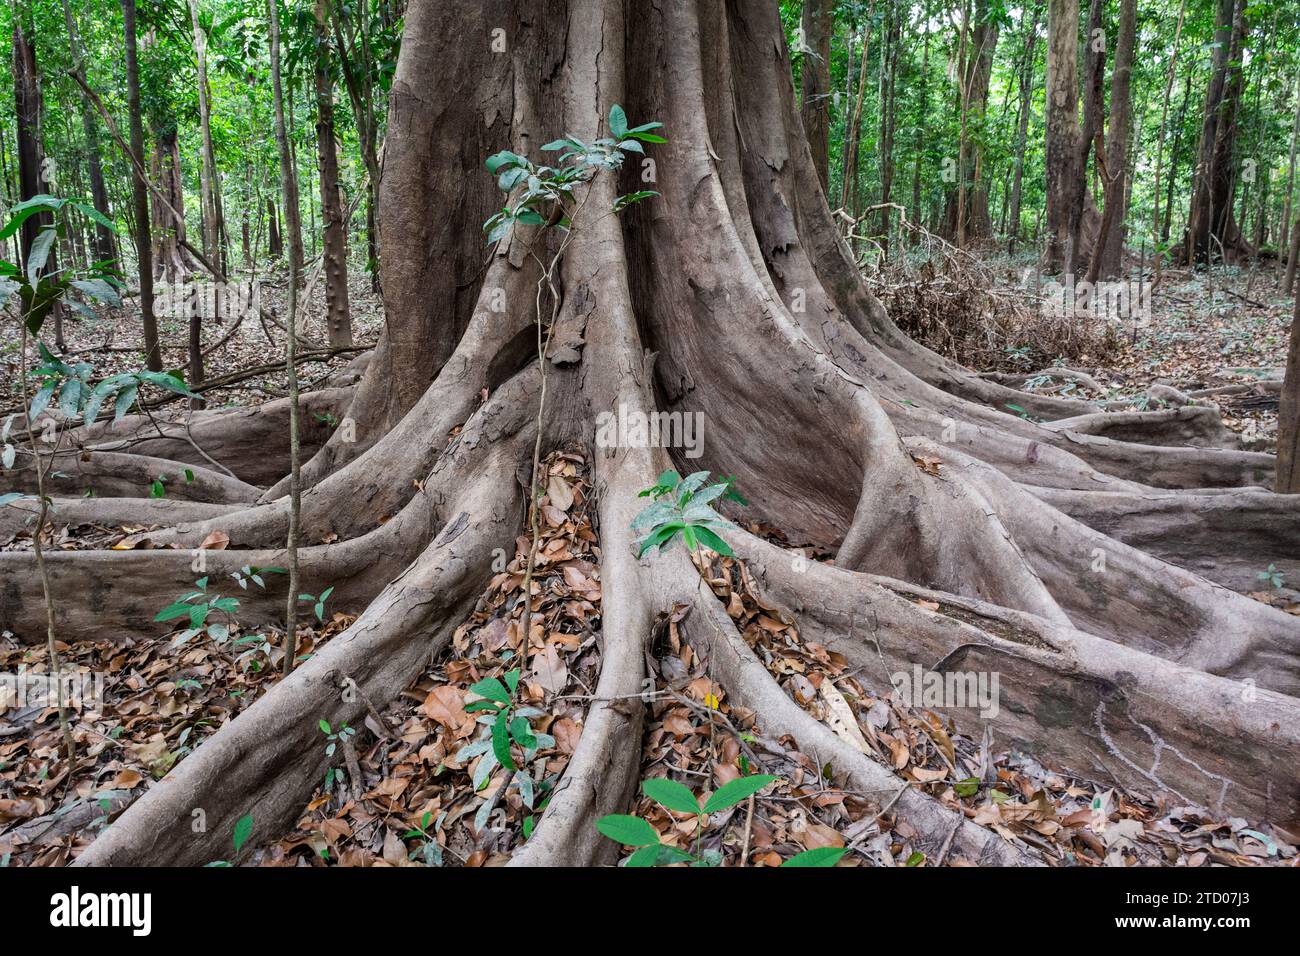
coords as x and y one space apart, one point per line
338 314
960 532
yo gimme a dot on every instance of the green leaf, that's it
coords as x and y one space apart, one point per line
660 537
501 743
617 121
97 289
492 689
916 859
243 830
821 856
730 794
671 794
503 158
40 401
712 541
627 830
40 253
968 787
172 611
647 856
324 726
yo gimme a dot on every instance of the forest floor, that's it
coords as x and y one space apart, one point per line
417 792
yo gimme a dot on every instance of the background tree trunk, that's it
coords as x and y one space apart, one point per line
1211 225
815 107
139 191
1108 253
338 315
103 236
1063 154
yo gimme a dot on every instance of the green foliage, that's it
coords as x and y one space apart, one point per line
548 191
317 602
683 506
635 832
39 289
1272 575
199 607
243 830
506 725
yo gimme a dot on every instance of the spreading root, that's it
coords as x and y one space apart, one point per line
1095 568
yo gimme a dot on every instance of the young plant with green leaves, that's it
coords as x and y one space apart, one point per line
683 507
243 830
317 602
506 723
202 609
335 736
633 831
548 196
38 290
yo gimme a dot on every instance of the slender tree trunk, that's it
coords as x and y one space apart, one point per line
853 135
1288 413
207 165
139 192
918 150
1157 237
274 247
1173 158
338 316
104 248
27 112
888 120
1107 257
814 109
1022 134
1211 226
289 183
293 223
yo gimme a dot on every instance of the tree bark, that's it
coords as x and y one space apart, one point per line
1108 253
338 314
815 106
1211 226
104 246
1288 413
1065 173
1025 80
139 192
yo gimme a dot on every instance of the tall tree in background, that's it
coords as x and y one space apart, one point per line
209 184
139 191
1288 414
1024 81
103 235
1109 248
289 189
818 22
27 110
338 317
1211 226
1065 174
968 210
